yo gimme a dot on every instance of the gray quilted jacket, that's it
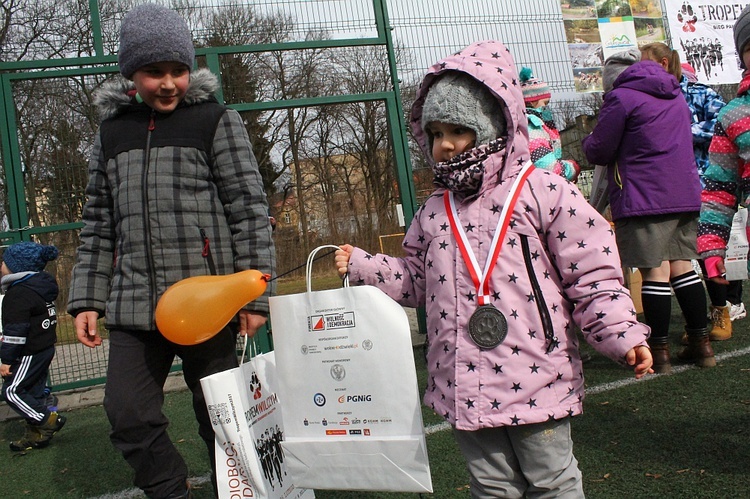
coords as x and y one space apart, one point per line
170 196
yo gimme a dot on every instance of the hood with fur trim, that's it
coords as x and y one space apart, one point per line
490 63
116 95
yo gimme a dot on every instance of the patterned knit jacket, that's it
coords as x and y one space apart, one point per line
546 148
169 196
704 104
727 177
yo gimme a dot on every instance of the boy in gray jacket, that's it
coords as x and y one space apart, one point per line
174 192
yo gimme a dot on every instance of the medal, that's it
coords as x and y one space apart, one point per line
488 326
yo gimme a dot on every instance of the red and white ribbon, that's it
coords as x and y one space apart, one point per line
479 277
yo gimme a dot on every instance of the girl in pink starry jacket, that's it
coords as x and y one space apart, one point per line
508 261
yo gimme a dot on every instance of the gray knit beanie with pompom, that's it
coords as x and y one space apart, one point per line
151 33
459 99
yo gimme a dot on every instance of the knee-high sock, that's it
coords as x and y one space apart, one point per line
688 288
657 308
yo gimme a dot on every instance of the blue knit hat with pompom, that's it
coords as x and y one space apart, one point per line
28 256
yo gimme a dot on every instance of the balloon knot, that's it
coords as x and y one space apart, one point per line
266 277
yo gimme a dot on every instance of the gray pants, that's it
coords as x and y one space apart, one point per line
534 461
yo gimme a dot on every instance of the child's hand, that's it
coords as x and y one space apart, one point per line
342 258
5 370
641 358
85 324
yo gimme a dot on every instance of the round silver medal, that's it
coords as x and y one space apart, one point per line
488 326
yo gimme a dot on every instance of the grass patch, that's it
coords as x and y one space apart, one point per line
683 435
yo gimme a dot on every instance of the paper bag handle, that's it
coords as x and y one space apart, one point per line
308 270
253 349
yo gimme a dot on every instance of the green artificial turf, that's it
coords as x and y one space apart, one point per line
681 436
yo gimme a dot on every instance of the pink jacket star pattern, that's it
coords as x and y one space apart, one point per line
558 268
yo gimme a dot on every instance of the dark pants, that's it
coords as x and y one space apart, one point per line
139 363
24 388
719 294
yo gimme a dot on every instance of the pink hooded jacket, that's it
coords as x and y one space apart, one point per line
558 268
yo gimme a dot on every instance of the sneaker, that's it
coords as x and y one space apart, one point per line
32 439
737 312
52 425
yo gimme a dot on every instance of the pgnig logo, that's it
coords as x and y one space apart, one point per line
319 399
355 398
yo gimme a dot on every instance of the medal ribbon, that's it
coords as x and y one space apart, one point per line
481 280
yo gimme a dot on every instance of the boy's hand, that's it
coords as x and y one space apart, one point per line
85 324
342 258
641 358
5 370
250 322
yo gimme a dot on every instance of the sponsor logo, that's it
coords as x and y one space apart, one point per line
319 399
367 432
338 372
328 322
354 398
355 432
254 386
335 432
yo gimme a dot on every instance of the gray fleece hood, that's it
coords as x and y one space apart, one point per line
116 95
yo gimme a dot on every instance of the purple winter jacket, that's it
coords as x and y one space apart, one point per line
644 135
558 267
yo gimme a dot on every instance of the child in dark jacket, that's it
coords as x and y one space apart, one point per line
29 321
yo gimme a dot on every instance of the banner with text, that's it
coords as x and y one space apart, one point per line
702 32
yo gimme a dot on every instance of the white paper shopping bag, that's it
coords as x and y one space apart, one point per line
246 416
735 260
348 384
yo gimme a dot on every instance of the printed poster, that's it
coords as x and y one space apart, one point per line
596 29
702 32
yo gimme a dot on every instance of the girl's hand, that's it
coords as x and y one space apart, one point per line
641 358
5 370
342 258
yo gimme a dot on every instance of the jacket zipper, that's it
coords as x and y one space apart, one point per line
206 252
146 226
549 333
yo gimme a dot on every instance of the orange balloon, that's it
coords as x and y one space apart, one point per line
195 309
